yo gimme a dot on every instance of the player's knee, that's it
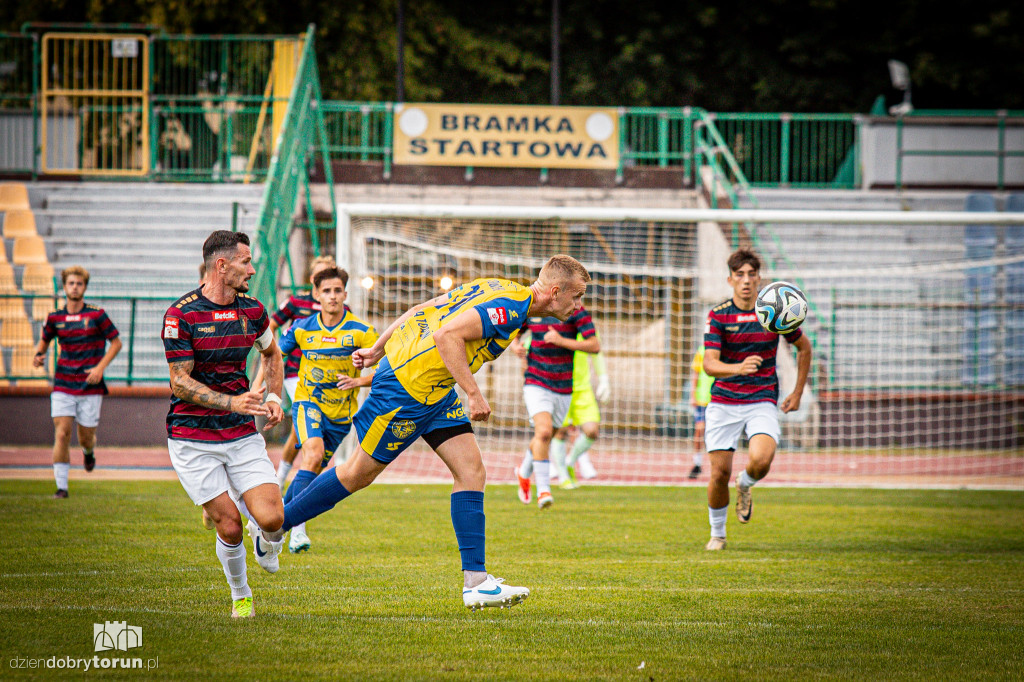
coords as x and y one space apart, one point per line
230 530
591 431
543 434
272 519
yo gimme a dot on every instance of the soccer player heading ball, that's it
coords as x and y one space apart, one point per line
740 354
423 355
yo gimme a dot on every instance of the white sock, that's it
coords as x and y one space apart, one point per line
471 579
717 518
243 510
557 452
745 480
526 468
60 474
542 474
579 448
232 558
698 458
585 467
300 527
282 472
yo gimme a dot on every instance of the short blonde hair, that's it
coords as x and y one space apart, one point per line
77 271
321 260
562 268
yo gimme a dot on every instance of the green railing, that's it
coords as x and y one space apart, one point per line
137 318
19 55
303 142
1000 119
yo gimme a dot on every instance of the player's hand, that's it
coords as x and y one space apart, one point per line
791 403
39 359
274 415
367 357
250 402
347 382
478 408
604 389
519 350
94 376
750 365
553 337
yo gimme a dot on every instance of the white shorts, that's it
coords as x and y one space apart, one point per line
290 385
84 408
725 423
539 399
208 469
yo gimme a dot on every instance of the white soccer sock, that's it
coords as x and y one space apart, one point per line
301 527
542 474
698 458
557 452
282 472
746 480
527 466
232 558
584 467
717 518
60 474
579 448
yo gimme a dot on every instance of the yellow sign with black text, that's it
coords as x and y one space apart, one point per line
506 136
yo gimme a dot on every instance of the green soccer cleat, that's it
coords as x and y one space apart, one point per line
242 608
570 483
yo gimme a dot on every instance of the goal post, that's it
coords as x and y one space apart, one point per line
918 370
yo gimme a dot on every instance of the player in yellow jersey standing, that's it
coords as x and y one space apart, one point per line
423 355
327 392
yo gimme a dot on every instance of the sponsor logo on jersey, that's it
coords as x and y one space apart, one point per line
750 317
207 330
498 315
394 446
225 316
403 429
330 339
170 327
456 413
732 329
170 322
74 318
348 341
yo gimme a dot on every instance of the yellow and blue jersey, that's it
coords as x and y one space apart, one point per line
326 358
502 305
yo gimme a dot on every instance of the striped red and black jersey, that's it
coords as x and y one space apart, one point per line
83 340
295 308
549 365
736 334
217 339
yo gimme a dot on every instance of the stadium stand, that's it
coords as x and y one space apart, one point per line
29 249
13 196
19 223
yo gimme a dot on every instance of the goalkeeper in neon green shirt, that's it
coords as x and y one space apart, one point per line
584 413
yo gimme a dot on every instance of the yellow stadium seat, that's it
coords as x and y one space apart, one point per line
7 283
41 307
13 196
38 279
16 332
29 250
12 308
21 365
20 223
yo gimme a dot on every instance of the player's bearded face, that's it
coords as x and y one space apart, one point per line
239 269
74 288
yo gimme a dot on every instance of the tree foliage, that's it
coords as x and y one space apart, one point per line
726 55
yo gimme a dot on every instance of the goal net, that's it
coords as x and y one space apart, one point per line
916 320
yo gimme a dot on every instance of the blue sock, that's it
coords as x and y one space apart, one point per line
468 520
320 496
302 479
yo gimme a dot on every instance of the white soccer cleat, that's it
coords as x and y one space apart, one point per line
266 552
493 592
298 541
545 500
715 544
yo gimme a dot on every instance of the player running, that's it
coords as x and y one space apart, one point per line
82 332
548 390
211 431
585 414
423 355
740 354
327 394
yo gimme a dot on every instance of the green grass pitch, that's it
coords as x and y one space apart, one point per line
853 584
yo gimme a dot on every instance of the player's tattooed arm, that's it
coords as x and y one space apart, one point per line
188 389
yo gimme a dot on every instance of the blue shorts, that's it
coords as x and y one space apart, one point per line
391 420
308 421
698 413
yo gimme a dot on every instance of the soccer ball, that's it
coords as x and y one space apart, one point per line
781 307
